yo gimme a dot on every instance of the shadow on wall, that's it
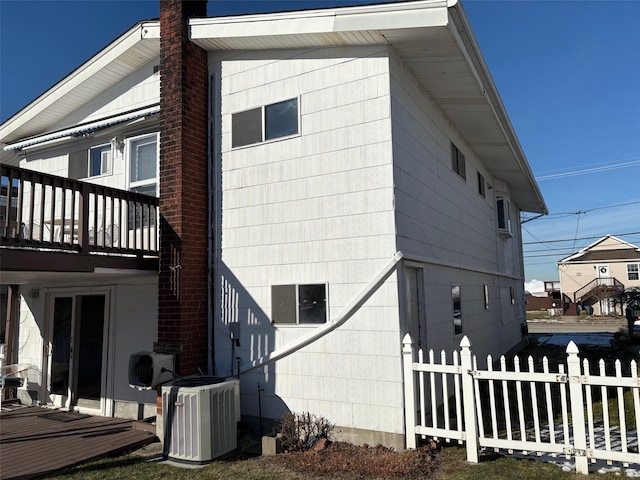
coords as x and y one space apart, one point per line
235 348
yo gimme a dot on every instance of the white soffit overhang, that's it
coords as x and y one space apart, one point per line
117 60
435 41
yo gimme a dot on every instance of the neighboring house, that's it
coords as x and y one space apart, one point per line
593 276
338 177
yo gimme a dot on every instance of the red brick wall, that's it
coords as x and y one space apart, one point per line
182 303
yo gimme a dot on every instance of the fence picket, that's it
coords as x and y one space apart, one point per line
421 393
475 390
505 397
445 391
492 400
457 389
590 420
549 403
605 409
621 413
534 402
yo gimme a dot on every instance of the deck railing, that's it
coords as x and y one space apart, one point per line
39 210
610 285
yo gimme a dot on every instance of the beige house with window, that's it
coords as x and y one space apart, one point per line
590 278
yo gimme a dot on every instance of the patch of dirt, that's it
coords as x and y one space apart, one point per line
347 461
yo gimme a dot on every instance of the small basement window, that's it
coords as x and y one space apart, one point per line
299 304
277 120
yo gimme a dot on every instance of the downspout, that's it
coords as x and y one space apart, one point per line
210 226
351 308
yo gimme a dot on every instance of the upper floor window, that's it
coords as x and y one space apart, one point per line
457 162
633 271
93 162
297 304
260 124
143 164
503 208
481 185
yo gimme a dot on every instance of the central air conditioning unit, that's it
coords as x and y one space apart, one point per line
200 416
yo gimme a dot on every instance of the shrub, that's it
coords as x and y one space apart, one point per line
300 431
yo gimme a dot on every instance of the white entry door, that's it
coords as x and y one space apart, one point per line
602 271
76 353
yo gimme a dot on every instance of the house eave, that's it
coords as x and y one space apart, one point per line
435 41
120 58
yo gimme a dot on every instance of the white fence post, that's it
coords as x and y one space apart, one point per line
577 409
469 406
409 392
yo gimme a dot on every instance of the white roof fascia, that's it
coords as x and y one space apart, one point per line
144 30
582 251
478 65
70 132
370 17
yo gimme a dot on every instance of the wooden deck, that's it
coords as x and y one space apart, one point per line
36 441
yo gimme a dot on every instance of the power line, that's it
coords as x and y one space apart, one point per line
572 239
581 212
586 171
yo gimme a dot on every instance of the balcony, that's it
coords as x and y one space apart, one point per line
56 224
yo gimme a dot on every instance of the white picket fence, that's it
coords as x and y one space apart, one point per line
572 413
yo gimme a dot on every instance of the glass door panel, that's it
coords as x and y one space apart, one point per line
61 346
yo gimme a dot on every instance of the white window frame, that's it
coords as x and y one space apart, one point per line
105 166
503 211
263 121
149 181
636 273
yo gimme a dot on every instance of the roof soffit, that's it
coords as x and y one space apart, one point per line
117 60
436 45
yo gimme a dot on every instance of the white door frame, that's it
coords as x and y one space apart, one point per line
106 400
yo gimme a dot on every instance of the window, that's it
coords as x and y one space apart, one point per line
100 160
512 295
143 168
457 309
276 120
457 162
633 271
486 297
481 185
143 164
298 304
90 163
503 207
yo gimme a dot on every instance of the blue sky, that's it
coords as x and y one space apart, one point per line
568 73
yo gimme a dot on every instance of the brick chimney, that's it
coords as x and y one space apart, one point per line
182 289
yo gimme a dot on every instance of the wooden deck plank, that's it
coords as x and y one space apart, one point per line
32 443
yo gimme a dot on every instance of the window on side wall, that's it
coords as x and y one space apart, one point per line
481 185
503 209
94 162
143 177
486 297
458 163
299 304
457 309
277 120
633 271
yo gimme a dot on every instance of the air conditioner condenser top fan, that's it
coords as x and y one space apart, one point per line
148 370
